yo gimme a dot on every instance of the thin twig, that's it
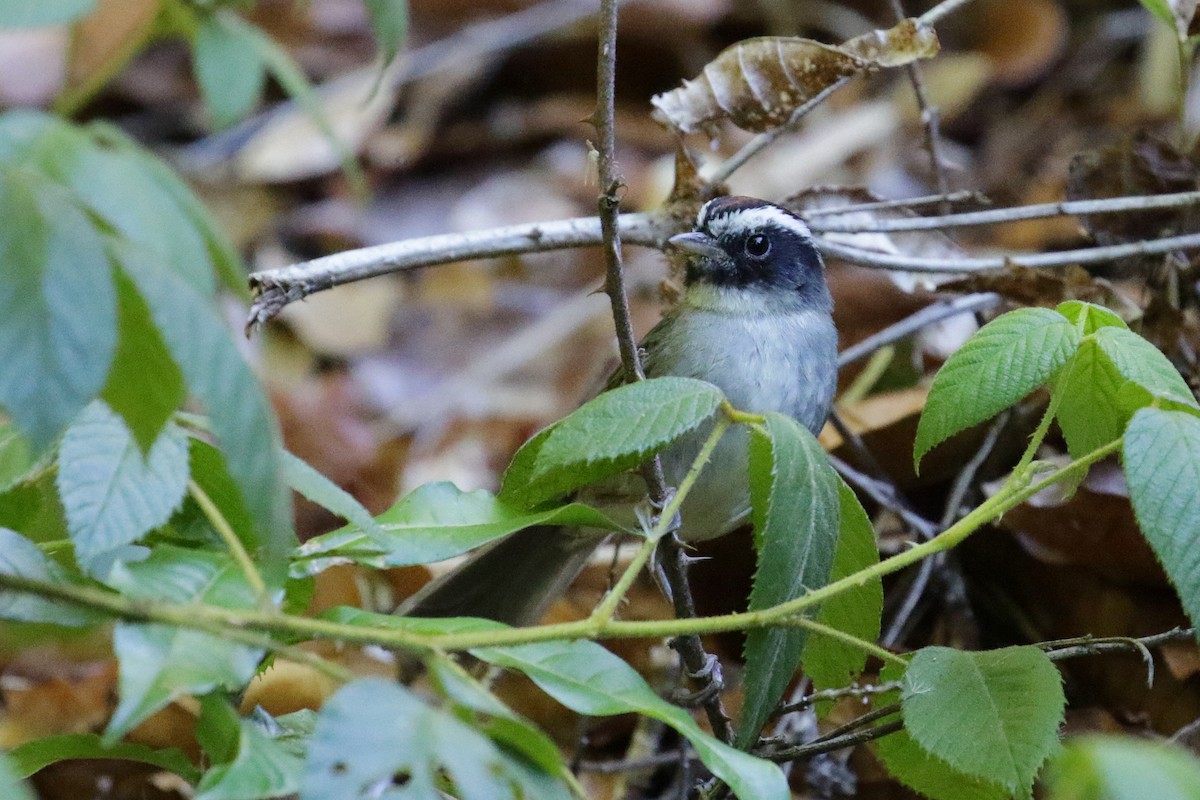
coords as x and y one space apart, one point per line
963 196
1087 255
929 315
1062 649
884 494
996 216
764 140
275 288
836 694
930 118
691 651
829 745
934 14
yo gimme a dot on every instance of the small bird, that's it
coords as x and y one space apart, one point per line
755 319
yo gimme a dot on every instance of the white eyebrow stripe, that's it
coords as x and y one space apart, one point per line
749 218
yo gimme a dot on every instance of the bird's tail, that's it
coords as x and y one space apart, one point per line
513 580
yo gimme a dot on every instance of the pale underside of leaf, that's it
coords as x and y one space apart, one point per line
758 83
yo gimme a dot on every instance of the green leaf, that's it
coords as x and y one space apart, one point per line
32 756
1141 362
159 663
240 416
588 679
613 433
210 474
228 68
252 764
114 181
301 477
435 522
1089 317
144 385
794 508
165 192
1162 467
375 733
1088 411
58 319
389 20
908 763
1160 9
1122 768
495 719
23 558
39 13
111 494
1002 363
830 663
15 456
11 786
291 77
1011 700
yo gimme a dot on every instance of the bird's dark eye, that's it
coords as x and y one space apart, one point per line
758 245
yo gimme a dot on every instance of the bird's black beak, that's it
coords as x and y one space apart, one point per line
697 243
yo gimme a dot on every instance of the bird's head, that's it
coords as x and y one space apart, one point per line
746 251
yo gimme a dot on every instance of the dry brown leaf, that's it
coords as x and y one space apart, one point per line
756 84
908 41
1139 165
105 40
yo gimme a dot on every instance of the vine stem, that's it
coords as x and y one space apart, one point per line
870 648
200 616
240 556
666 520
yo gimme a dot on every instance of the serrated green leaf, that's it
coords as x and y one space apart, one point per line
389 21
159 663
228 68
144 384
187 216
30 757
39 13
240 416
21 557
908 763
1086 393
1162 468
58 319
113 495
795 510
1089 316
830 663
1003 362
251 764
1122 768
1011 700
612 433
1141 362
588 679
113 181
434 522
373 731
921 772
